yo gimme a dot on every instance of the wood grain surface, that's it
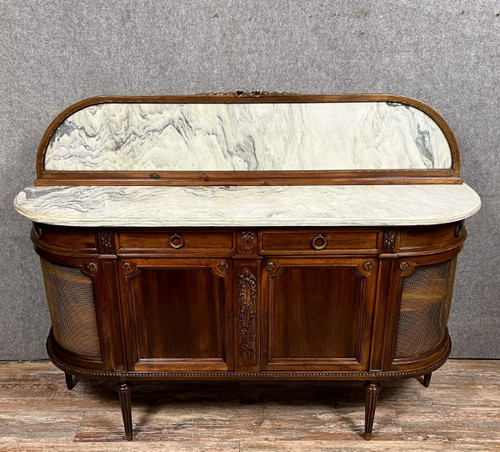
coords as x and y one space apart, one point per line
459 411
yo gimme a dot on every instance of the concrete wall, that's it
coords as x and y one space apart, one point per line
445 53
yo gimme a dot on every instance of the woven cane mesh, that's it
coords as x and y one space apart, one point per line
71 304
425 306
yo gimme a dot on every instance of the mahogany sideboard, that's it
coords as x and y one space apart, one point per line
248 236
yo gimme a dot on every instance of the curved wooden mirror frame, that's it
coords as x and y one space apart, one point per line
289 177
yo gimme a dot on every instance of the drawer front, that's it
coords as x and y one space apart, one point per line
425 238
321 241
175 241
65 240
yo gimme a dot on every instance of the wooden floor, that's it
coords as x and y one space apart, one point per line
459 411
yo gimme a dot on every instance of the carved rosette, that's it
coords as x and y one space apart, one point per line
247 293
389 240
368 266
247 241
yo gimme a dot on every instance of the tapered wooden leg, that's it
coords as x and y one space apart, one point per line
70 381
425 380
372 389
124 390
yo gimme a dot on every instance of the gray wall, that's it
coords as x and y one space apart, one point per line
445 53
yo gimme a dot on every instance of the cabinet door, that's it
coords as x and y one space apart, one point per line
317 313
179 314
418 331
73 305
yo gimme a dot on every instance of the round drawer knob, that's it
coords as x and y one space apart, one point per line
176 241
319 242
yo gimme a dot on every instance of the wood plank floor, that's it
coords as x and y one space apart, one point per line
459 411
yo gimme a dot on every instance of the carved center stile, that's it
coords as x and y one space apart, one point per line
247 291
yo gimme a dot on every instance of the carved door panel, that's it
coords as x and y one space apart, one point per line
179 314
317 313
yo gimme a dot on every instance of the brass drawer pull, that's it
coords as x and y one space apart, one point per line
322 242
459 228
176 241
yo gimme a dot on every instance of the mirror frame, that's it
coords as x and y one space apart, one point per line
303 177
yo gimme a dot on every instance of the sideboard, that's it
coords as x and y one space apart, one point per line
248 236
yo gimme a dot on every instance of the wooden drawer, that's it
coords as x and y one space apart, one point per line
65 240
427 238
175 241
321 241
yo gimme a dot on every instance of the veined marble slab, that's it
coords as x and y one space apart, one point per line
253 137
245 206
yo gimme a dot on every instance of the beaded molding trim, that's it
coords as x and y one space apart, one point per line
263 375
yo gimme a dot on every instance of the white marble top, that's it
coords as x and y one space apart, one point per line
247 136
245 206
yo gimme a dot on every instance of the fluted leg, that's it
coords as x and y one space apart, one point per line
124 390
70 381
372 389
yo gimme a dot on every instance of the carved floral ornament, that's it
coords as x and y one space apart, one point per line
247 292
106 241
389 240
247 241
247 93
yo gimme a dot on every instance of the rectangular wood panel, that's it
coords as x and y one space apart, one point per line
178 314
316 314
